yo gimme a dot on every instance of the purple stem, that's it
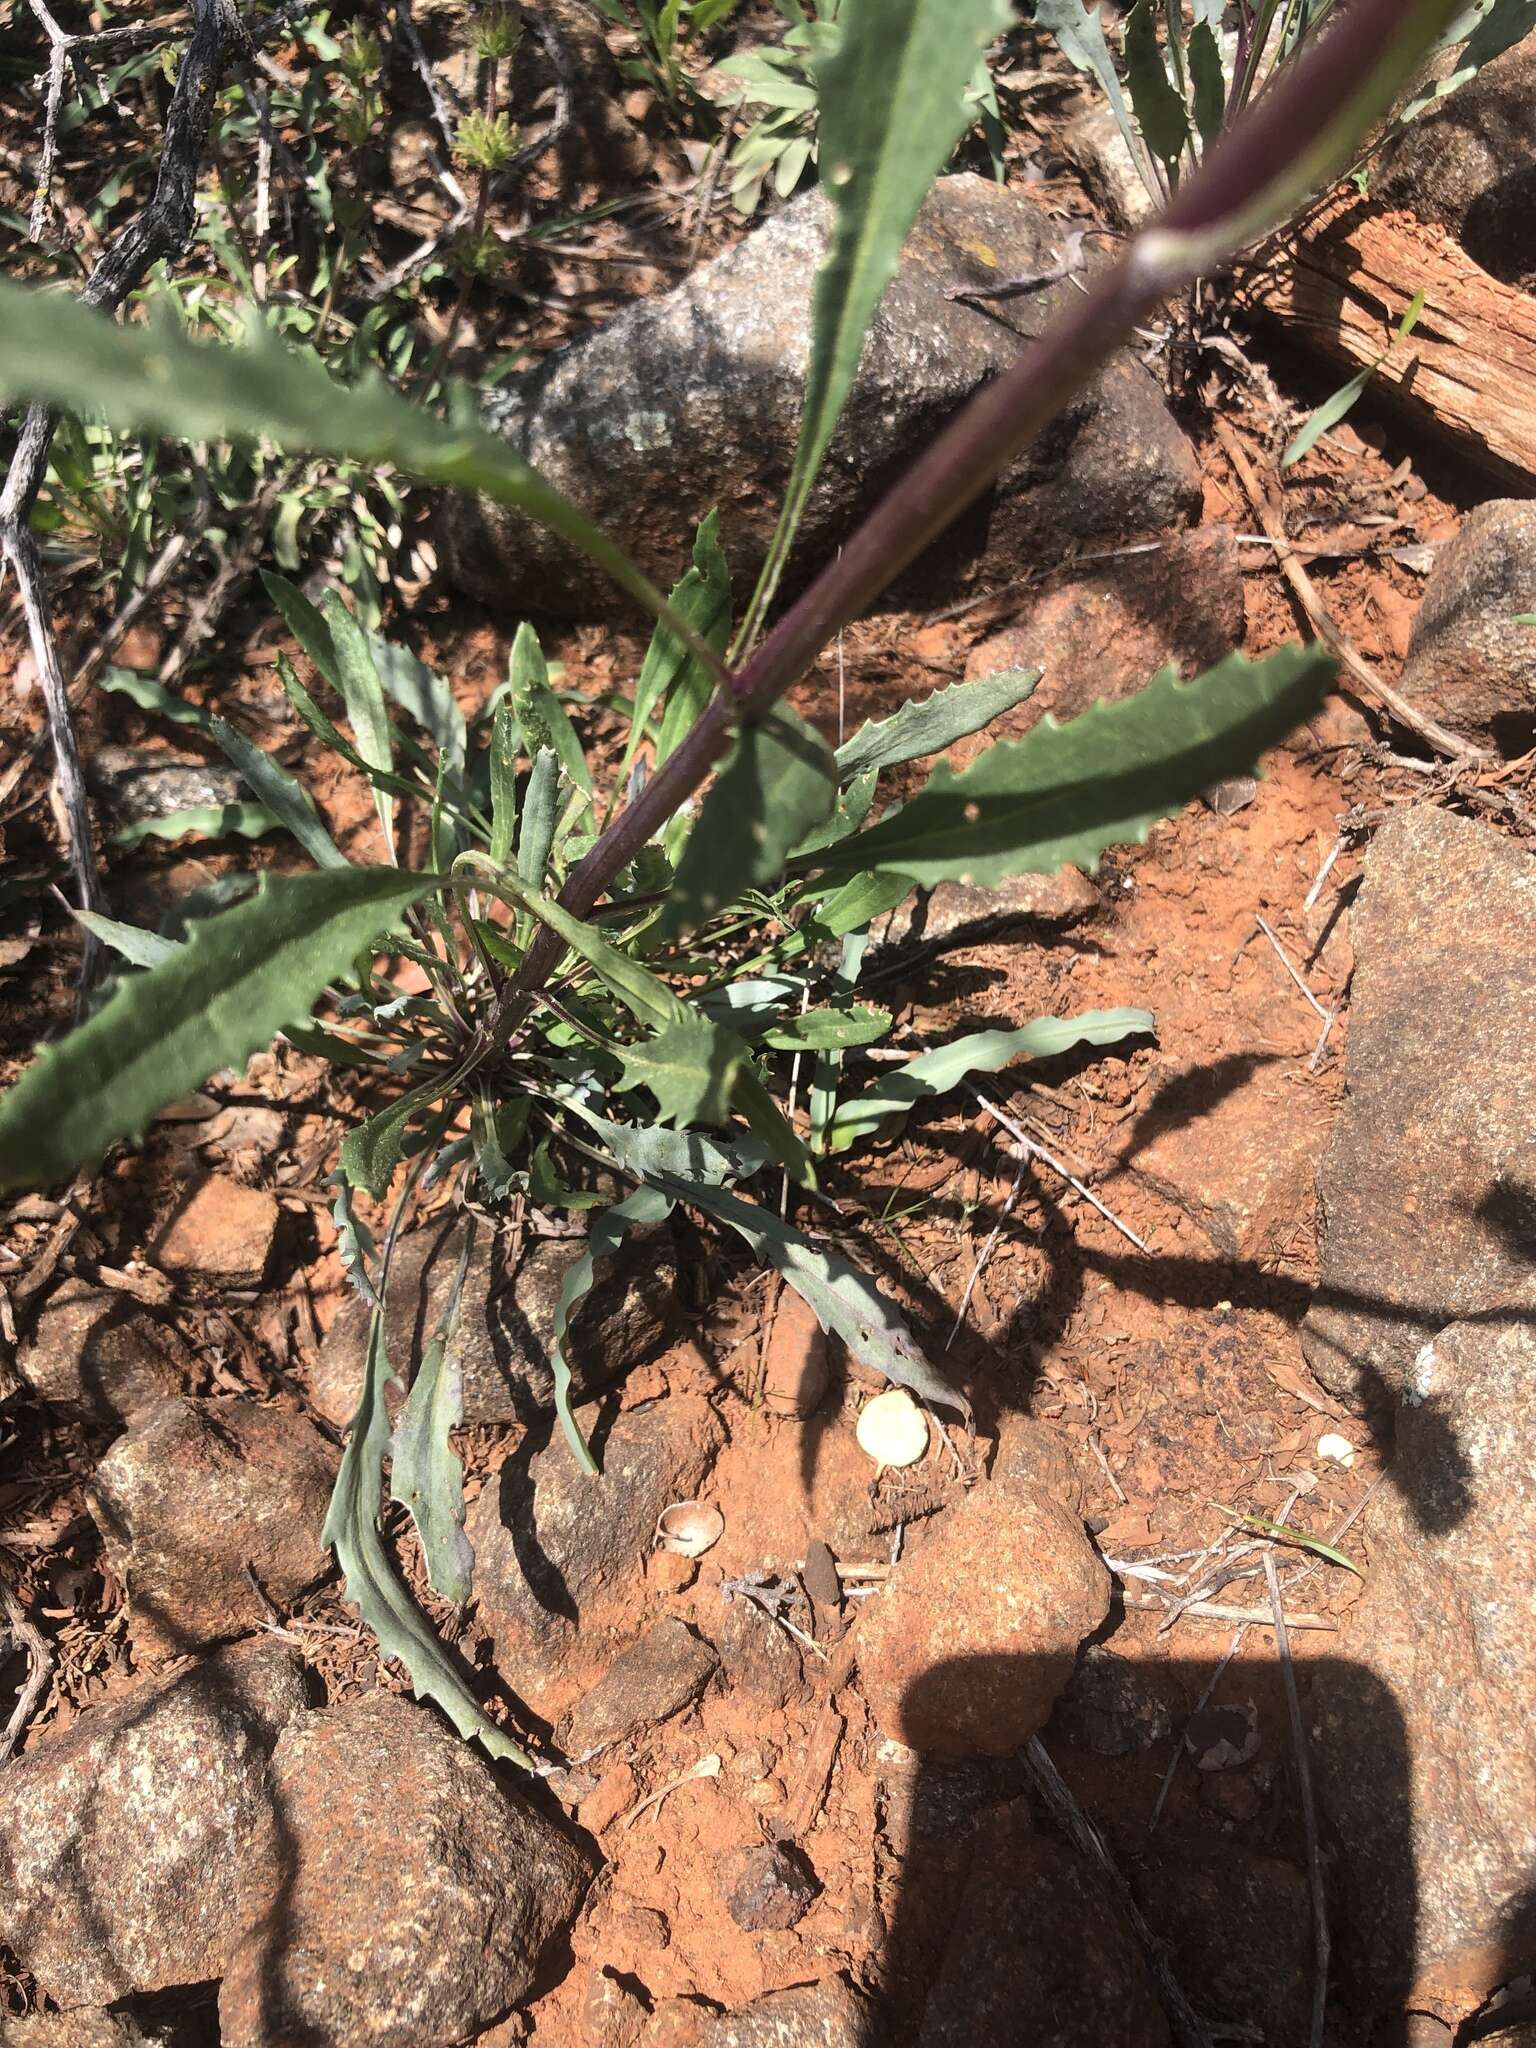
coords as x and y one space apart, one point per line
985 436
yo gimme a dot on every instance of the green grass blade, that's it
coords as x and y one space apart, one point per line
1064 793
1284 1533
239 978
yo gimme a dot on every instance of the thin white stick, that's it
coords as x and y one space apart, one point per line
985 1254
1291 971
1038 1151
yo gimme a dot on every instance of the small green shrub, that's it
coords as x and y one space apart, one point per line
575 975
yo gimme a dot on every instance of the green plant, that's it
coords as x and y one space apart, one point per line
1181 80
780 144
568 980
664 31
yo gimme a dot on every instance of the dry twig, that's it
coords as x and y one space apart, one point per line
1311 602
1320 1940
1188 2028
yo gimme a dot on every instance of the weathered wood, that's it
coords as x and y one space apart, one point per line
1345 278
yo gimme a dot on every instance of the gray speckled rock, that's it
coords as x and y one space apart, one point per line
506 1320
1470 664
1428 1186
408 1897
692 400
1422 1723
121 1839
192 1493
552 1545
831 2014
142 783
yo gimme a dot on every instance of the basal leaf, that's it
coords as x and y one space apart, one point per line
153 696
140 948
285 798
240 977
1063 793
503 767
307 625
541 815
778 785
543 719
426 697
892 94
829 1029
604 1236
934 723
426 1476
1208 82
1159 108
671 679
363 695
935 1073
152 379
690 1066
386 1608
845 1300
1080 32
210 821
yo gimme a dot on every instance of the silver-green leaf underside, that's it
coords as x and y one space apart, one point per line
137 946
372 1585
203 821
240 977
284 797
1064 793
425 1475
935 1073
933 723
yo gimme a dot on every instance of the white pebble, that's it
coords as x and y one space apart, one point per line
892 1429
1338 1449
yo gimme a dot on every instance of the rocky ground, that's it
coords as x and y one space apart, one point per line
826 1783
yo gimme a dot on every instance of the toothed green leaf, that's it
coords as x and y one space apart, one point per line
1063 793
240 977
933 723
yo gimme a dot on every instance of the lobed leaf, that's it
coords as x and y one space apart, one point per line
1063 793
372 1586
238 979
934 723
935 1073
426 1477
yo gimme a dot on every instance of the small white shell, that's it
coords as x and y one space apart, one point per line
892 1429
1338 1449
689 1528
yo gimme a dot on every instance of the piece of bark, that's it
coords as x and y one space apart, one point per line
1343 280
